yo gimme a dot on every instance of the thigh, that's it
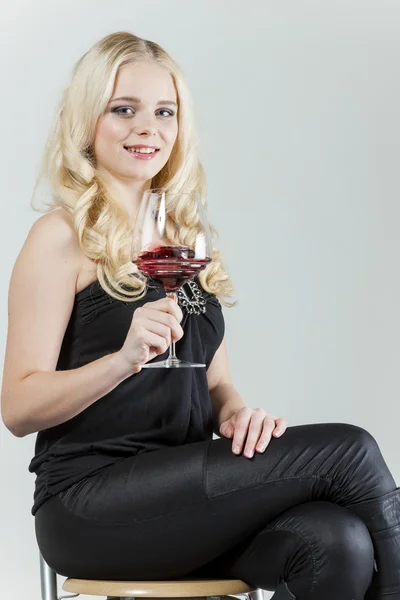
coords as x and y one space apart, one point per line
141 487
153 484
321 462
156 483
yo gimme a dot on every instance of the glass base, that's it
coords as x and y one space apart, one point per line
171 363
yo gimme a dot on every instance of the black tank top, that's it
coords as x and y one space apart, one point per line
151 409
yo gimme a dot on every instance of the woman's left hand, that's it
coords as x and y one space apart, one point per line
253 425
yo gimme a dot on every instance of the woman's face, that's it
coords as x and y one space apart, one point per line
141 115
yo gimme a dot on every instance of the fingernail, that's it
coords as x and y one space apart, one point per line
249 453
261 448
278 433
236 449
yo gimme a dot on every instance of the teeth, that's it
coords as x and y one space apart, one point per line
141 150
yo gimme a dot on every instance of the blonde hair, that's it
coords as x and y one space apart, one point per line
68 164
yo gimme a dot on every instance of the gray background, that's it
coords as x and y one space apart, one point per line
298 103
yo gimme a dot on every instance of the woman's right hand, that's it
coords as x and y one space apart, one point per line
155 325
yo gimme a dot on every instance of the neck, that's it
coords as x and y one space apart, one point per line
129 193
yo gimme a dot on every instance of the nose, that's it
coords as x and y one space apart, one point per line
145 127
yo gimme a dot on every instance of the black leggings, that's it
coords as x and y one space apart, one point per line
281 521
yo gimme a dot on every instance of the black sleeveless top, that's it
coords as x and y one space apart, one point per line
151 409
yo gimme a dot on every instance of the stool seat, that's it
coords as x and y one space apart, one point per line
184 588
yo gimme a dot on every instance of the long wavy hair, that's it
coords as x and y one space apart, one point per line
69 166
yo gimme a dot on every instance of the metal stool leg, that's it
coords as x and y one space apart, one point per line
48 582
256 595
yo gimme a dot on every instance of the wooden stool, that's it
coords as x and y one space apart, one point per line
196 589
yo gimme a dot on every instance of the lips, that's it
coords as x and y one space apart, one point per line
141 147
146 155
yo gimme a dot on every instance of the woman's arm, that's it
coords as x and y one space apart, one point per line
225 399
249 428
42 290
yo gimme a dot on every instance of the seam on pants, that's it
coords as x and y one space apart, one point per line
293 478
205 474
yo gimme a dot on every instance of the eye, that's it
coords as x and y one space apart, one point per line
117 110
170 113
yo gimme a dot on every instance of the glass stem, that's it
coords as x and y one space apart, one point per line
172 355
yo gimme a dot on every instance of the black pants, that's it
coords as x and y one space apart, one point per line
282 520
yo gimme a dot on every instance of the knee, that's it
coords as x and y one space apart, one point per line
361 438
355 441
337 541
344 435
342 535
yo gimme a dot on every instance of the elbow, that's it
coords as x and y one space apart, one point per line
15 428
17 433
13 425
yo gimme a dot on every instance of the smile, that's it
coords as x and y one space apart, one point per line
142 153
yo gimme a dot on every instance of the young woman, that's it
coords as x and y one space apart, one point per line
130 483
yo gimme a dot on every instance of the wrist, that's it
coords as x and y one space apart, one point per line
122 367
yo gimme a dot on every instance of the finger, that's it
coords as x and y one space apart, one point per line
155 327
265 438
156 342
243 417
227 429
167 319
254 433
177 311
167 305
280 426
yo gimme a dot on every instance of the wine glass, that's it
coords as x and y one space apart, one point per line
171 244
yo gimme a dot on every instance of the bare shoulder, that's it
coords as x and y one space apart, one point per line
56 230
50 246
56 226
50 254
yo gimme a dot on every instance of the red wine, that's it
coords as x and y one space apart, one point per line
171 265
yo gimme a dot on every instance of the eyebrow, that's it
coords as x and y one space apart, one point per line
138 101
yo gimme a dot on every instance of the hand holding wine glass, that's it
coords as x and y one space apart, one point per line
167 252
154 326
